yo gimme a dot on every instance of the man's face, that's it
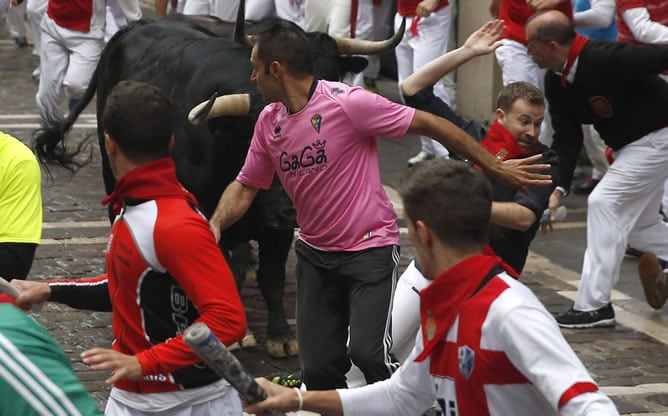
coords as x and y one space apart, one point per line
523 122
265 82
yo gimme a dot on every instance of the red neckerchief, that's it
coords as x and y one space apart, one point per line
441 301
147 182
502 144
576 47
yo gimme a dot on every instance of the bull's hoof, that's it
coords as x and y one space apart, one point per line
275 349
292 348
250 276
248 341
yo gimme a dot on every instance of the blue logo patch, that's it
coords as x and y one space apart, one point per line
466 359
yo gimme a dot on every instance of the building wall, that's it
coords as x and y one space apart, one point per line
478 81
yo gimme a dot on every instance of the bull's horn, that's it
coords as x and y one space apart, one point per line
348 46
240 35
225 105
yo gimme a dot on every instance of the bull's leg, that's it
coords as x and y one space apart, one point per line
237 259
274 248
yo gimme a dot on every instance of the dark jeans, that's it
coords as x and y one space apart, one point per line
16 259
337 291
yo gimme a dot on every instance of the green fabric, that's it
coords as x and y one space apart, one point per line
35 374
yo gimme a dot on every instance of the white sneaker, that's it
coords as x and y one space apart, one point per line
37 72
420 157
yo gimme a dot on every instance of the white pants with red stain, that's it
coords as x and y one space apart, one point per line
624 208
516 65
413 52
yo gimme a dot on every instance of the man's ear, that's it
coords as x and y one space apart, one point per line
274 68
424 234
110 145
500 115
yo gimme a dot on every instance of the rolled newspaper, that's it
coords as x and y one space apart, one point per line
214 353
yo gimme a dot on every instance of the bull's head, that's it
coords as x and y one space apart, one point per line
240 104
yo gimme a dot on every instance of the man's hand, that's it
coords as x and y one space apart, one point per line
121 365
32 293
520 173
485 40
279 398
426 7
553 204
543 4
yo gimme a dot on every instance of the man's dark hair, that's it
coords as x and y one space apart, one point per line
560 30
519 91
453 199
286 43
140 119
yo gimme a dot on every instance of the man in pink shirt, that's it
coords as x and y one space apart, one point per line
319 138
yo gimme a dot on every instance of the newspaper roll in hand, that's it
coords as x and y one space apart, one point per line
214 353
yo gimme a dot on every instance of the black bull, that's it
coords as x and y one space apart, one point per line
189 59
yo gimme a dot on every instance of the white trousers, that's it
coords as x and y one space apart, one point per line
624 208
68 61
292 10
415 51
516 65
35 10
595 148
316 15
16 18
228 405
372 24
406 311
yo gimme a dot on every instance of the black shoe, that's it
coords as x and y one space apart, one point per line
603 317
633 252
21 41
586 187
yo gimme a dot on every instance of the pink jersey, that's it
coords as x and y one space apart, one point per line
327 160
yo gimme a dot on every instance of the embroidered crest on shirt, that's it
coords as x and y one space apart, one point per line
601 106
337 91
277 132
316 120
466 360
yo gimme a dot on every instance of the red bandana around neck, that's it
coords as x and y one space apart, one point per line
502 144
150 181
576 47
441 301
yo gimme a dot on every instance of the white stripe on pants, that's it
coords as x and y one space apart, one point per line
624 207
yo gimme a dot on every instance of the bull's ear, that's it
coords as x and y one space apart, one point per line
352 64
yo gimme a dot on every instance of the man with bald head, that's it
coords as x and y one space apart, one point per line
615 87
